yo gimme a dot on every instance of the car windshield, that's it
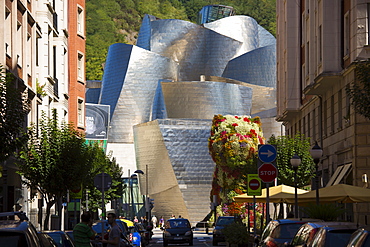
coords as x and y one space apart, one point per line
286 230
11 239
337 238
224 221
179 224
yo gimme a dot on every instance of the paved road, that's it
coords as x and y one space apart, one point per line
201 239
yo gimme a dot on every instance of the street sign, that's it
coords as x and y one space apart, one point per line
267 172
254 185
267 153
103 181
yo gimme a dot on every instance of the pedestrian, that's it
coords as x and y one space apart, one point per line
114 234
154 221
180 217
136 220
172 216
161 222
82 232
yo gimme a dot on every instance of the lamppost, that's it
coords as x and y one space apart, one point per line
295 161
146 203
316 153
131 196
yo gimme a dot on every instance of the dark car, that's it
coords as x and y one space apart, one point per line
360 238
280 231
46 240
221 222
61 238
17 232
307 232
337 235
177 231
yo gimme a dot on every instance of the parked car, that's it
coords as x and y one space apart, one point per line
17 231
177 231
360 238
221 222
307 232
46 240
281 231
336 235
61 238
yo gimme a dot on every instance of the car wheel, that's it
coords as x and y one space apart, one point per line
165 243
214 243
191 243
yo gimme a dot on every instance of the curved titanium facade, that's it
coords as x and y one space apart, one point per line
161 107
179 166
183 99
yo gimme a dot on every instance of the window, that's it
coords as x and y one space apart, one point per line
340 115
80 112
368 25
80 67
80 21
346 35
8 33
320 43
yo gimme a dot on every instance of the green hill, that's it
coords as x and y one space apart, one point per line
118 21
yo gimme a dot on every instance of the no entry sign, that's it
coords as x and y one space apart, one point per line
267 172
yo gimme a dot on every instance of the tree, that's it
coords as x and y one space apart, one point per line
103 163
360 91
286 148
54 160
13 109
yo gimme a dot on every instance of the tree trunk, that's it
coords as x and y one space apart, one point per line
47 216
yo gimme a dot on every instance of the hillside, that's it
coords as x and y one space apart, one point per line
112 21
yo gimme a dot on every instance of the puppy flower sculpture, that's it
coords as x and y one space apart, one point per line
233 145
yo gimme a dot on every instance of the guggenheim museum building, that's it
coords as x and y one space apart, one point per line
164 91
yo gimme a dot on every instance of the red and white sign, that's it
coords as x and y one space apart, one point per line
267 172
254 184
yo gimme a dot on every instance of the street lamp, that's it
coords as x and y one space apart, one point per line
316 153
146 191
131 196
295 161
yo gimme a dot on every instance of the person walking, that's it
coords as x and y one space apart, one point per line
82 232
114 234
161 222
154 221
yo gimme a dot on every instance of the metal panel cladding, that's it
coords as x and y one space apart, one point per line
176 152
130 87
205 99
256 67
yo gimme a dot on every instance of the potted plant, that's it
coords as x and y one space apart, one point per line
236 234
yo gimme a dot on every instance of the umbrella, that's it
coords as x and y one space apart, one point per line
277 194
342 193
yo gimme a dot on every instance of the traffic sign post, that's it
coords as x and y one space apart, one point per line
267 170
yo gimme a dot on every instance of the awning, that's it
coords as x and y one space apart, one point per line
338 175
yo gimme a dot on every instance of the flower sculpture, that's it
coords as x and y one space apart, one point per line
233 145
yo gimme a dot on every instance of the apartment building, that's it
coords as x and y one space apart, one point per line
318 45
42 44
76 62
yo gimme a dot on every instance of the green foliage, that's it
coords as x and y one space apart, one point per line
360 91
55 159
286 148
13 109
102 163
236 233
326 212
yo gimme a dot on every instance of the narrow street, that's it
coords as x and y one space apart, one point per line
201 239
